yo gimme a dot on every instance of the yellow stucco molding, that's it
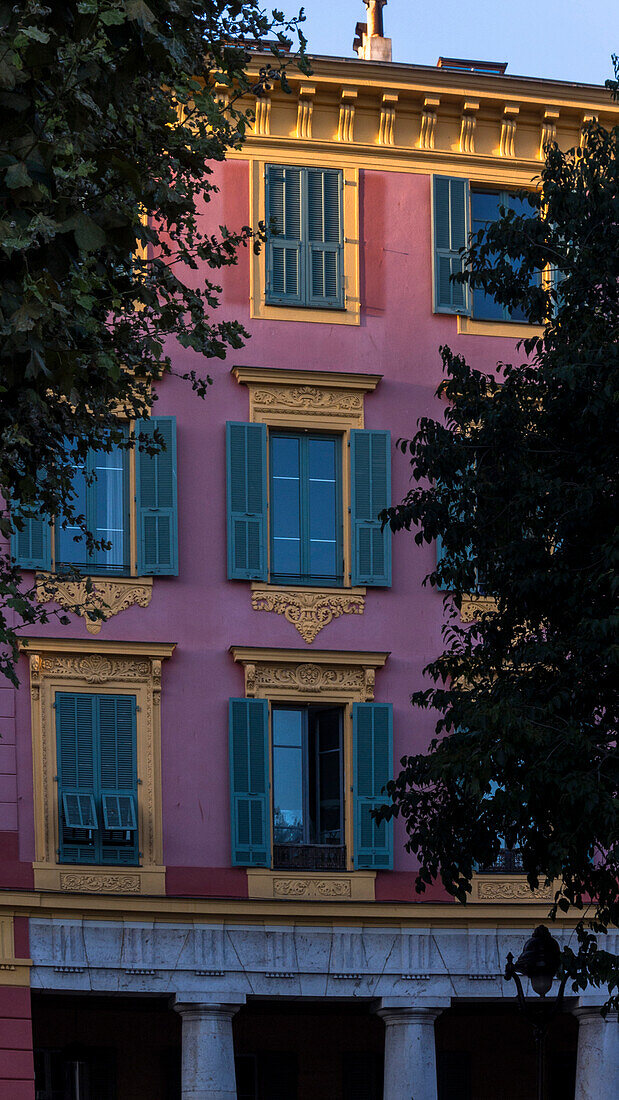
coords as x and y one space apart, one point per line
474 605
351 313
306 399
108 595
513 330
279 910
13 971
311 885
307 609
333 675
106 667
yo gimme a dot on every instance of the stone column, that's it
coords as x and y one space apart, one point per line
597 1066
410 1052
208 1050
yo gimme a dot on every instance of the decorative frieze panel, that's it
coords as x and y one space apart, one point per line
291 673
309 610
96 599
427 132
346 123
305 110
306 399
508 130
467 126
503 888
386 126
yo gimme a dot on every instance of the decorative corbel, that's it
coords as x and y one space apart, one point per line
155 667
386 127
427 130
305 110
262 124
345 130
508 130
549 130
586 119
250 681
35 675
467 126
369 684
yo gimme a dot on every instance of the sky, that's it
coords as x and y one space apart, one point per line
556 39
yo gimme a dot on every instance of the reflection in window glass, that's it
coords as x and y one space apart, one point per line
101 496
307 775
486 208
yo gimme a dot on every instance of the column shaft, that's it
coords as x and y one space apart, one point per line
410 1053
597 1066
208 1052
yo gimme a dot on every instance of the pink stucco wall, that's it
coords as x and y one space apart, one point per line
204 613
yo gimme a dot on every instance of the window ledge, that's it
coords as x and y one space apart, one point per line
107 597
83 878
311 885
514 330
307 608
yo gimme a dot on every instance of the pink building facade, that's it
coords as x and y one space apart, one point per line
225 900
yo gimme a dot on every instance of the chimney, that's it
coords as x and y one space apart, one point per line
370 42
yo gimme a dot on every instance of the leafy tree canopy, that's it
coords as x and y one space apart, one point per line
519 481
112 111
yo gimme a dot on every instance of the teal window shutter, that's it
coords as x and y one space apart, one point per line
77 785
451 222
32 546
246 468
325 237
285 260
157 509
97 778
249 785
370 460
372 770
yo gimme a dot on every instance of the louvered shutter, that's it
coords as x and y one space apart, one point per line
157 519
373 764
32 546
325 237
118 777
370 459
249 787
76 767
451 218
246 462
285 266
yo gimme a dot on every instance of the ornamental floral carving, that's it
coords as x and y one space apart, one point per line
104 597
512 890
312 679
308 399
101 884
308 611
474 606
95 668
311 888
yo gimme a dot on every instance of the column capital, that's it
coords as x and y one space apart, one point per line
201 1009
585 1012
404 1014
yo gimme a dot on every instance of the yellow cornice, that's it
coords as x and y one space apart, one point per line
348 380
52 904
157 650
257 654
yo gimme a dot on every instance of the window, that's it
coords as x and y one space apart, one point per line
80 1074
307 770
300 752
286 506
458 210
485 208
141 526
101 494
306 508
304 262
97 779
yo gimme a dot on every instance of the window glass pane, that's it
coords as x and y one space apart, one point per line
68 551
288 770
326 776
323 507
109 506
285 505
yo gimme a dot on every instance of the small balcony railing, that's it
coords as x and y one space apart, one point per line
309 857
508 861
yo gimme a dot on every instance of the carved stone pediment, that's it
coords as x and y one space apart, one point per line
96 599
307 609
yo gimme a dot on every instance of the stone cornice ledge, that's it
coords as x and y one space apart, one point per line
283 377
156 650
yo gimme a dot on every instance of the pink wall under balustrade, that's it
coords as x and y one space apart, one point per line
201 610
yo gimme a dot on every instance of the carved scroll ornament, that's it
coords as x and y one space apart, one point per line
308 611
105 597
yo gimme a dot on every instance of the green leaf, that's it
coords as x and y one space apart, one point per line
17 176
88 235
